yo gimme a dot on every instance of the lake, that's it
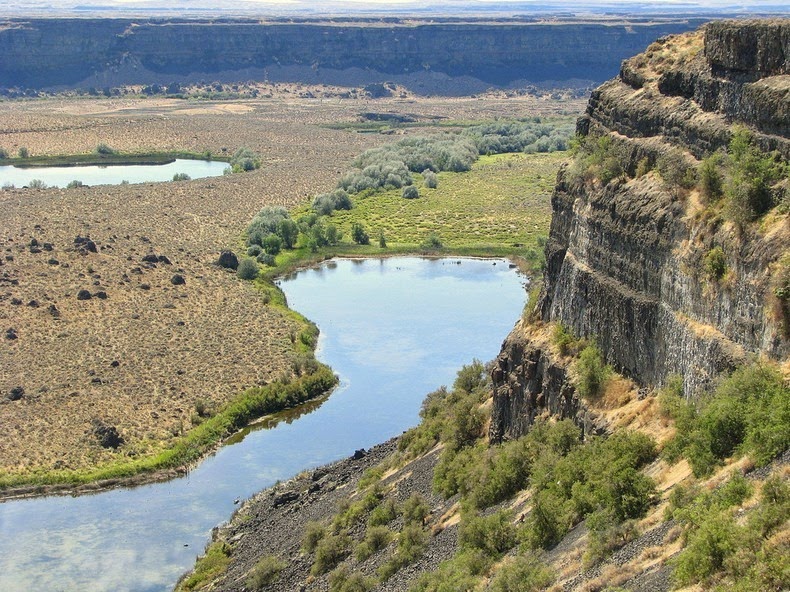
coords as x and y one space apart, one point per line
393 329
61 176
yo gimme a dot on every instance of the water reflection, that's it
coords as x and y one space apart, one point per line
394 330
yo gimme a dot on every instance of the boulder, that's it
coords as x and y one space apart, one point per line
107 435
228 260
15 393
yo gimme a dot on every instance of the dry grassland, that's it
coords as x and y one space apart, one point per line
140 359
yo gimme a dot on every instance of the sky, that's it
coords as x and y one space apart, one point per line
338 7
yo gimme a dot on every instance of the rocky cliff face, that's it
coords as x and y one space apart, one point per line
47 53
625 258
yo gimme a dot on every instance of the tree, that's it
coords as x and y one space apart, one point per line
272 244
248 269
289 232
359 235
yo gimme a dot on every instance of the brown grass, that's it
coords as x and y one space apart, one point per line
174 345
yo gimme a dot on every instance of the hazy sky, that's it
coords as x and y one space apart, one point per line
263 7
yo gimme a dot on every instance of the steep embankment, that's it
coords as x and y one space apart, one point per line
91 52
633 233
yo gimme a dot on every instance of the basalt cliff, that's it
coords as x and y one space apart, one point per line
629 251
47 53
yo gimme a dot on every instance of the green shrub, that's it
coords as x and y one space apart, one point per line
749 413
376 539
37 184
343 580
248 269
432 241
383 514
774 509
548 521
415 509
752 174
244 160
181 177
711 181
326 203
23 152
600 158
525 573
410 192
430 179
493 535
265 573
412 541
3 154
254 250
289 232
209 566
313 533
505 473
592 373
382 240
715 263
333 235
74 184
266 259
329 552
563 338
359 235
104 149
461 572
715 540
471 377
272 244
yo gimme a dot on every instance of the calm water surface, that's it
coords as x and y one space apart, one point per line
110 174
393 330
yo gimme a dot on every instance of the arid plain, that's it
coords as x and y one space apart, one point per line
145 356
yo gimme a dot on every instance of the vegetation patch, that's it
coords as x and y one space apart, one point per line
748 413
251 404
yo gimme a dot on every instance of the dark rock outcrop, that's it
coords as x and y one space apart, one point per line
228 260
625 259
107 435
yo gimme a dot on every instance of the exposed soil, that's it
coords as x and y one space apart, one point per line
143 350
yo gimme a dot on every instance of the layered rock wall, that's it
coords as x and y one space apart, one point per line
47 53
625 259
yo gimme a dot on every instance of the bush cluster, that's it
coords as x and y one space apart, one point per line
723 548
244 160
597 158
533 135
748 413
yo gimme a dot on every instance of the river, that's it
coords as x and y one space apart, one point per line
393 329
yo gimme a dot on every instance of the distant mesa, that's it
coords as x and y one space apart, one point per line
423 57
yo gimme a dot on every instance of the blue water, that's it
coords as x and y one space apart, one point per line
393 329
110 174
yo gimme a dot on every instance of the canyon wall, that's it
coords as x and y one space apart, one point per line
93 52
626 258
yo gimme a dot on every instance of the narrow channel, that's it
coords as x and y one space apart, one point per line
393 329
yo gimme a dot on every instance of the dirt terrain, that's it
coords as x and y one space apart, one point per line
145 351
